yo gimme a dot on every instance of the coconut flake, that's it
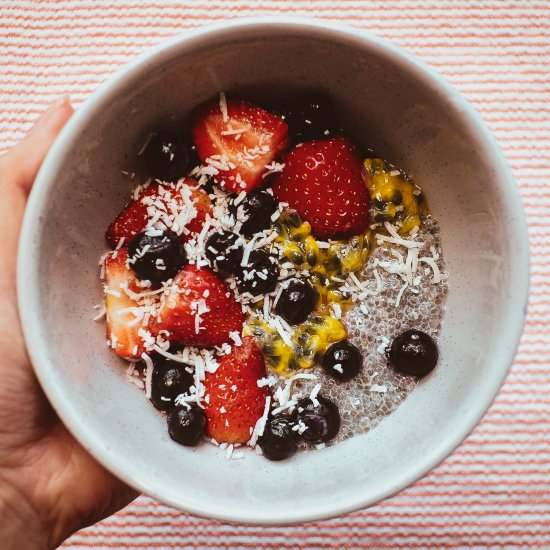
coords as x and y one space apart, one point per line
146 143
260 424
283 333
236 337
338 368
102 312
223 108
148 374
314 393
267 381
432 263
400 294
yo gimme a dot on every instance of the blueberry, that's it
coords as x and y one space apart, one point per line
187 425
278 440
255 212
168 156
342 361
260 274
297 301
414 352
322 422
308 118
209 184
170 379
156 255
224 253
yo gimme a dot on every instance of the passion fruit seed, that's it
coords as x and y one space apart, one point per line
379 203
397 197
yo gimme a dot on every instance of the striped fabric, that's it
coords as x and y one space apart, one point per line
494 491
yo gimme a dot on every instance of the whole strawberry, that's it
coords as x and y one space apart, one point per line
200 310
322 181
235 402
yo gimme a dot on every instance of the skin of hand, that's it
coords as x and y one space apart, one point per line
49 485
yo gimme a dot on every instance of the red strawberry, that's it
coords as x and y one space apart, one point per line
203 206
322 181
241 158
235 401
122 332
200 310
133 219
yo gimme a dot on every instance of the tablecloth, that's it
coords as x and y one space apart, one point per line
494 490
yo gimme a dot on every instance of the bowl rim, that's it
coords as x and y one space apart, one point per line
332 32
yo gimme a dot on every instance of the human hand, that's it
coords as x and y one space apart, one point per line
49 485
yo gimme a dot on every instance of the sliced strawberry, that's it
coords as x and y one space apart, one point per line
238 145
235 402
122 328
203 206
200 310
190 203
322 181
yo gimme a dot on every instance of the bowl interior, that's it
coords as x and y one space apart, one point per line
386 100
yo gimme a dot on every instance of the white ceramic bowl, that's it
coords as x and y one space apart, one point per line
418 121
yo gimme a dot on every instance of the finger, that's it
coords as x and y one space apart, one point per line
25 159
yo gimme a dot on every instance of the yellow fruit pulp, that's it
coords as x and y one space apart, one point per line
393 197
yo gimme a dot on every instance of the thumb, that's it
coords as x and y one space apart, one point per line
24 159
18 169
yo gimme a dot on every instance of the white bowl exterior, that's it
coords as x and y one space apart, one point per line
388 100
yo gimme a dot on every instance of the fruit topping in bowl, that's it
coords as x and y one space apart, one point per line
255 211
309 118
323 181
414 352
236 402
187 425
278 440
169 380
239 140
297 300
342 361
319 418
168 156
198 309
156 255
270 284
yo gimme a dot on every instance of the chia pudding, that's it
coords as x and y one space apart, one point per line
272 285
